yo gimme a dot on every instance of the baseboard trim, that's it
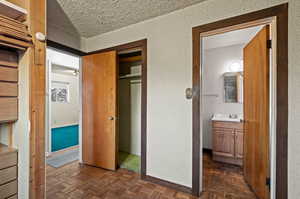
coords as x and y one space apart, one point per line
63 150
168 184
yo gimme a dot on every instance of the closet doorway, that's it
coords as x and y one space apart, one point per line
129 109
114 108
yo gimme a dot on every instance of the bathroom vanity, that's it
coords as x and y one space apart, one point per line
228 138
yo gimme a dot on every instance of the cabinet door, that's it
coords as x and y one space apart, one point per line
223 142
239 144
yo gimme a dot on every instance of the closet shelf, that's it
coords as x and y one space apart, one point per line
12 11
210 95
130 76
4 149
14 34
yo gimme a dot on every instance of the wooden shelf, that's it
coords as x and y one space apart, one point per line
4 149
12 11
14 34
131 59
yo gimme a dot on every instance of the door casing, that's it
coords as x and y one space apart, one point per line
277 17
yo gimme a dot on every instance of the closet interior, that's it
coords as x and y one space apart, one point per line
129 109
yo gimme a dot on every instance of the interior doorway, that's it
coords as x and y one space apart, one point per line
235 88
62 108
270 120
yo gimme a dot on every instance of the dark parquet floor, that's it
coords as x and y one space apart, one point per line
75 181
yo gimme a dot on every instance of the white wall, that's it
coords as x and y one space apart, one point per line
65 114
215 63
62 59
170 72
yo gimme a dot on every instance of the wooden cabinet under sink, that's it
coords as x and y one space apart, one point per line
228 142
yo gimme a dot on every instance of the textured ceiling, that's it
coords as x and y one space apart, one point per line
93 17
57 18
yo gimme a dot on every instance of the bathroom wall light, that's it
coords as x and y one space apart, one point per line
75 72
236 66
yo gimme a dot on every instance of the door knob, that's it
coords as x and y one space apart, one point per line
189 93
111 118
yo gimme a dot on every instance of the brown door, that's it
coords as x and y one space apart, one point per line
99 88
256 113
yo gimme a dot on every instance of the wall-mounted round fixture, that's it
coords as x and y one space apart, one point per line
40 36
75 72
235 66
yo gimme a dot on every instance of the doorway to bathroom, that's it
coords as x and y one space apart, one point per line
229 60
258 164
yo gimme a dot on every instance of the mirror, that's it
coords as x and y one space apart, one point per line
233 87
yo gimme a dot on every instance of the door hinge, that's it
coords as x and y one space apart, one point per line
269 43
268 183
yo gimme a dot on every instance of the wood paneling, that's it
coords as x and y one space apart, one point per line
8 174
13 197
256 113
37 23
8 89
8 171
8 155
99 82
14 23
8 74
9 109
8 189
8 57
13 32
281 14
20 3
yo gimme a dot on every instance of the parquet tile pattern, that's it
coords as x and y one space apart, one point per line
76 181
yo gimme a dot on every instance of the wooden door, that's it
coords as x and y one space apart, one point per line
239 144
99 136
256 113
223 141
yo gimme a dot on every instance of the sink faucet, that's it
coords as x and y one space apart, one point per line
233 116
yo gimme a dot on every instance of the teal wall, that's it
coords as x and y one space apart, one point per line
64 137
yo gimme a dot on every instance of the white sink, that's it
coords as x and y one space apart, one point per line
227 117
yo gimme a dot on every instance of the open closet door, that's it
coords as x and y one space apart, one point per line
256 113
99 94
